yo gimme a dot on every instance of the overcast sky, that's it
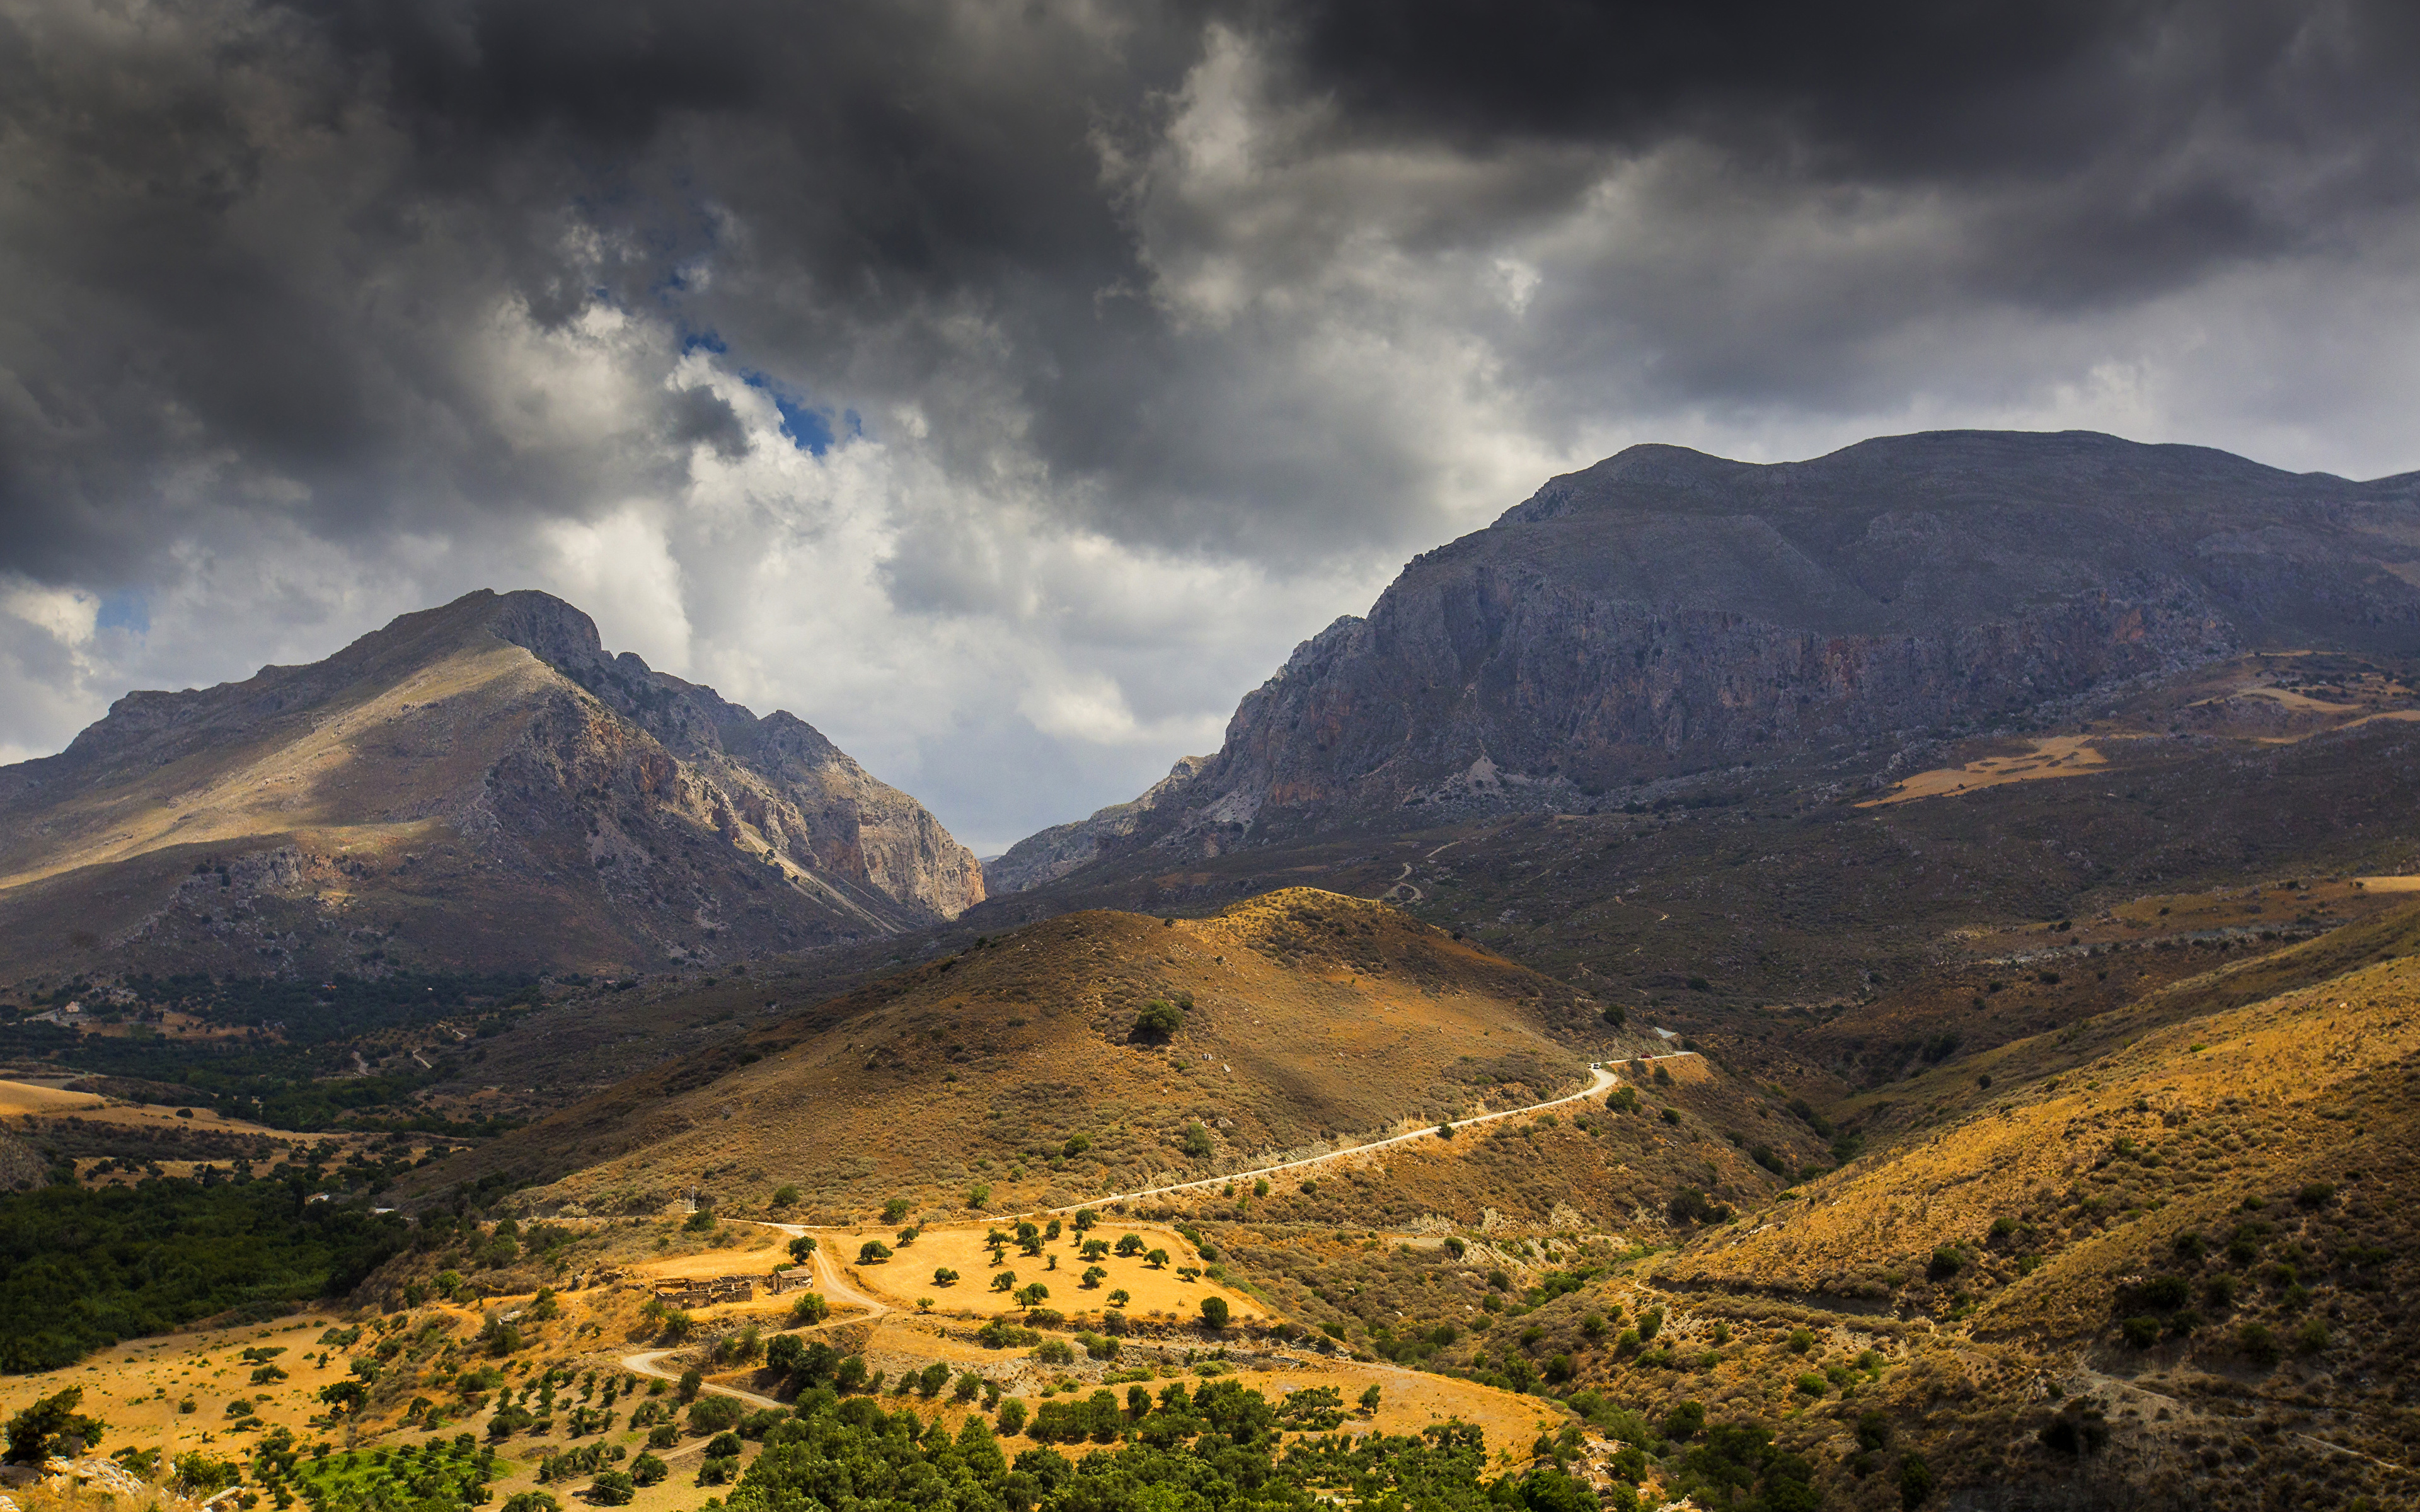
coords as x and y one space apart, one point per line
1004 389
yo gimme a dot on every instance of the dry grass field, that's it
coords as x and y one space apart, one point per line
1155 1292
2052 756
1013 1075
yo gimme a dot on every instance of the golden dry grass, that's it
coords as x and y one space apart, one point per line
1317 1021
1158 1291
2053 756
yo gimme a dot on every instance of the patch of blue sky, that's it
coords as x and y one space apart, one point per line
124 610
809 429
703 341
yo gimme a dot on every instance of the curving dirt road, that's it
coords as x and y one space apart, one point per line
1601 1080
828 1274
646 1363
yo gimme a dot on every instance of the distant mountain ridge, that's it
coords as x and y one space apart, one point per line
475 785
1666 611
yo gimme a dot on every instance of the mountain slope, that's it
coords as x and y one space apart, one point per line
1017 1066
475 785
1665 612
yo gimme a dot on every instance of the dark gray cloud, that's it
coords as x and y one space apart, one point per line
1065 343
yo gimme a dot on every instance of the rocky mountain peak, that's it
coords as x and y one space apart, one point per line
1666 611
472 763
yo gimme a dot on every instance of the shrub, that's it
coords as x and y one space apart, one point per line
2141 1332
2258 1343
39 1431
1195 1141
1011 1416
612 1488
713 1414
1213 1312
1691 1206
647 1470
810 1307
1914 1482
944 1276
1945 1262
692 1381
1158 1019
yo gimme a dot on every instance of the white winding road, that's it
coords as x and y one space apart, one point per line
1601 1080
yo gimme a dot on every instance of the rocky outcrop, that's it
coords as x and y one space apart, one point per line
1055 852
1666 611
806 800
475 785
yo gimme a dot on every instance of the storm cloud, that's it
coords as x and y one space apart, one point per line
1006 388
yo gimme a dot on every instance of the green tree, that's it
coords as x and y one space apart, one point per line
1370 1401
1914 1482
944 1276
612 1488
1121 1297
1214 1311
802 1247
894 1210
1156 1260
1158 1019
1003 1281
1130 1244
872 1252
1086 1219
44 1429
692 1381
786 1196
1093 1277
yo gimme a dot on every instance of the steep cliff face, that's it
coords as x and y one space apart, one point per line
476 785
776 778
1666 611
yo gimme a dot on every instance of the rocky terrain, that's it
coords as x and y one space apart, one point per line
479 785
1667 613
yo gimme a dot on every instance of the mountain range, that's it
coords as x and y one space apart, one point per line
1876 983
1666 613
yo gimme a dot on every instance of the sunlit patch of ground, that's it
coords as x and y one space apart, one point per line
2053 756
